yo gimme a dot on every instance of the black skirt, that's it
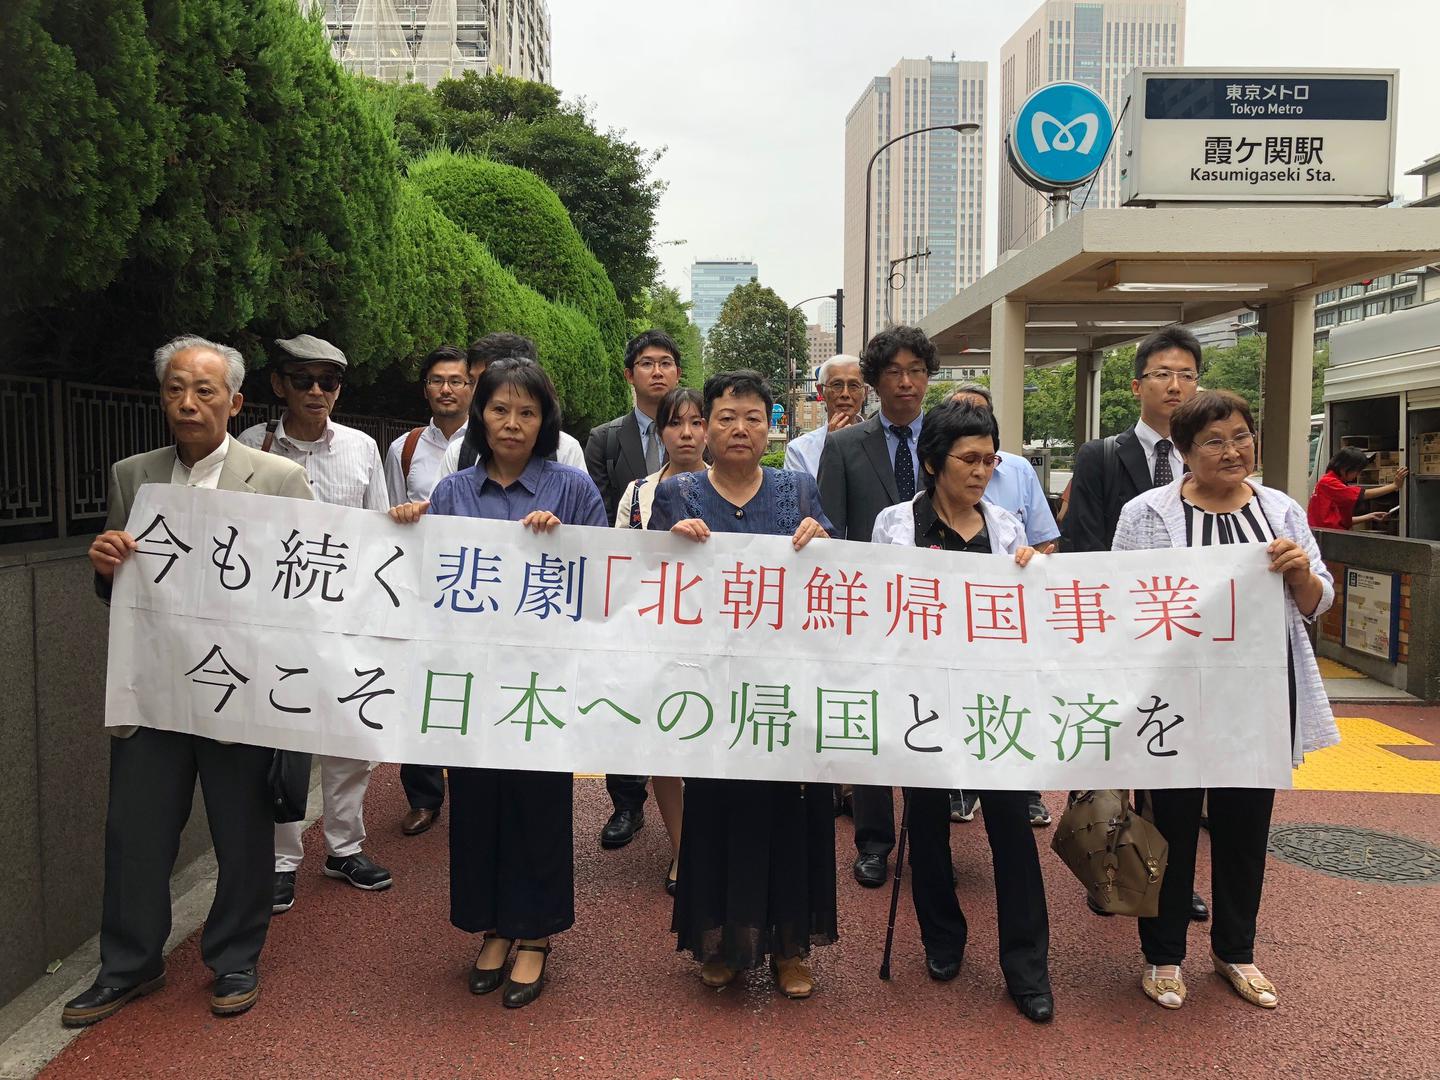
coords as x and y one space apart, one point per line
512 852
757 871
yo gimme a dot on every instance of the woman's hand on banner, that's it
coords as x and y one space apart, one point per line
540 521
809 529
409 513
693 529
1024 555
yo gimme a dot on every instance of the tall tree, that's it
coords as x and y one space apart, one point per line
662 308
756 329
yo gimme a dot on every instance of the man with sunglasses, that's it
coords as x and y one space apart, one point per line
344 469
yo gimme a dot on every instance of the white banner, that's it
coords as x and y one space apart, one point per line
467 642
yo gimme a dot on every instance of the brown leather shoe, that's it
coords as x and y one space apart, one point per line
714 974
417 821
792 978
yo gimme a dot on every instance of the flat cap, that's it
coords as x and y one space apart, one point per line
308 347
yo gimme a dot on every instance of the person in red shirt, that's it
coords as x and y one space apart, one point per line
1332 506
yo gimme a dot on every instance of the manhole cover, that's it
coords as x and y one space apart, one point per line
1357 854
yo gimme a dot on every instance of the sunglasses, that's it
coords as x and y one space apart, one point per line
302 381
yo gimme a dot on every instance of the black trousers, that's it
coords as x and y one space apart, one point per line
873 809
1019 888
152 785
512 852
626 792
1239 835
424 786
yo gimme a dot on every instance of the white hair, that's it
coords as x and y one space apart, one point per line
234 362
834 362
973 388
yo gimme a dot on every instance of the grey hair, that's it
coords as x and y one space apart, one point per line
973 388
832 363
234 362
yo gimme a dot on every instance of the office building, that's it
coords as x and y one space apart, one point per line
827 315
927 192
711 282
1096 44
425 41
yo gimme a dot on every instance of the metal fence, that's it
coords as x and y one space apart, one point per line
58 440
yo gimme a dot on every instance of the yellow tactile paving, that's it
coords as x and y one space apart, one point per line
1360 763
1333 669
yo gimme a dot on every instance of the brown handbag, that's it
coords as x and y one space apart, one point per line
1116 854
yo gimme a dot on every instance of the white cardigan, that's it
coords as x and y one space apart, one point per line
896 525
1156 519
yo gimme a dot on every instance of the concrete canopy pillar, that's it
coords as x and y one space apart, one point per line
1007 371
1087 395
1289 365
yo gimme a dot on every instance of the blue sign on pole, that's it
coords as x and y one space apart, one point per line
1059 136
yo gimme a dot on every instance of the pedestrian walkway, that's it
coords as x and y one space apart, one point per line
358 984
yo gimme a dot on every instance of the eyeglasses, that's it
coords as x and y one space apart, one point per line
648 366
1164 375
1215 447
302 381
974 458
915 373
454 382
844 387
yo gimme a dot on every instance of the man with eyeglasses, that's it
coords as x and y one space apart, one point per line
619 451
863 469
1110 472
412 469
843 392
344 468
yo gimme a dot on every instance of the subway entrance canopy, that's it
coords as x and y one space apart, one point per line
1105 278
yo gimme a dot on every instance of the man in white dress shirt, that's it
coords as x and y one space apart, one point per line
843 392
344 469
412 469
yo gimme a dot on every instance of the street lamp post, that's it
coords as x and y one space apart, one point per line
790 365
963 129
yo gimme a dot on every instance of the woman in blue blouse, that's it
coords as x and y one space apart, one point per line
512 873
757 857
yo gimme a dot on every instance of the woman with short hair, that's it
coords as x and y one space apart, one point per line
1215 503
1332 505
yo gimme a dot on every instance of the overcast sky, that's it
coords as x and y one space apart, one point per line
749 98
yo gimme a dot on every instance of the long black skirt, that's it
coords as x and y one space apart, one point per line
757 871
512 852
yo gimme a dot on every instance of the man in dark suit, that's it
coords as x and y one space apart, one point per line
152 772
619 451
863 469
1110 472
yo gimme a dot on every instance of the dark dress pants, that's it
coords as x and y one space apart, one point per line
424 786
873 809
152 786
627 792
1019 887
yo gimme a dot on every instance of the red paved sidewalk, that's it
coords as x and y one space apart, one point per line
358 984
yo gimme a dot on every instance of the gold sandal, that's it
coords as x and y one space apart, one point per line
715 974
1256 989
1167 991
793 978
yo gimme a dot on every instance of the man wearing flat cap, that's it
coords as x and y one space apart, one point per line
344 469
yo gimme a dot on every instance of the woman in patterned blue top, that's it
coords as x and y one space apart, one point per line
757 857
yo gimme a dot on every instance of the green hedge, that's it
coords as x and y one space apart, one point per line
526 227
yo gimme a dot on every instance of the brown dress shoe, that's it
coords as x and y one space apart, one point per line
417 821
792 977
715 974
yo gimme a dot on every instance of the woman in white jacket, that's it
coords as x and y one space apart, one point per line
1215 503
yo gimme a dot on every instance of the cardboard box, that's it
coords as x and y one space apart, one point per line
1385 457
1428 465
1365 442
1429 443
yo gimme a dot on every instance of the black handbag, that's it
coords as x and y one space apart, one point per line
289 785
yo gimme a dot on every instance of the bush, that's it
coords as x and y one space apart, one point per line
775 459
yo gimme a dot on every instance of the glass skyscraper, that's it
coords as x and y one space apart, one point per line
710 283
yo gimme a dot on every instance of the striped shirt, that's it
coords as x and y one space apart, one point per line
1244 526
343 465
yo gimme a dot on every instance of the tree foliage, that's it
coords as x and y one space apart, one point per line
605 182
751 332
661 308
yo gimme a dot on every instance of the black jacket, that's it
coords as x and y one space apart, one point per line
614 455
1098 490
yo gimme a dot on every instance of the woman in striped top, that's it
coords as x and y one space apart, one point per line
1216 503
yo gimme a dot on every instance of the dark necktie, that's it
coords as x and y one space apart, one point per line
652 450
1163 473
904 464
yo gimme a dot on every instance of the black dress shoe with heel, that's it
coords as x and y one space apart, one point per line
1039 1008
518 995
671 880
1198 911
99 1001
621 828
486 980
235 992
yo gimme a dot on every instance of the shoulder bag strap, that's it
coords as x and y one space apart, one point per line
407 452
269 441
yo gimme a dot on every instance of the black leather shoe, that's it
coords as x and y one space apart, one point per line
235 992
941 970
671 878
621 828
1037 1007
359 870
1096 908
518 995
99 1002
1198 911
870 870
486 980
284 897
418 820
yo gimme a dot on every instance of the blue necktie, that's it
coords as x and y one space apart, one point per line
904 464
